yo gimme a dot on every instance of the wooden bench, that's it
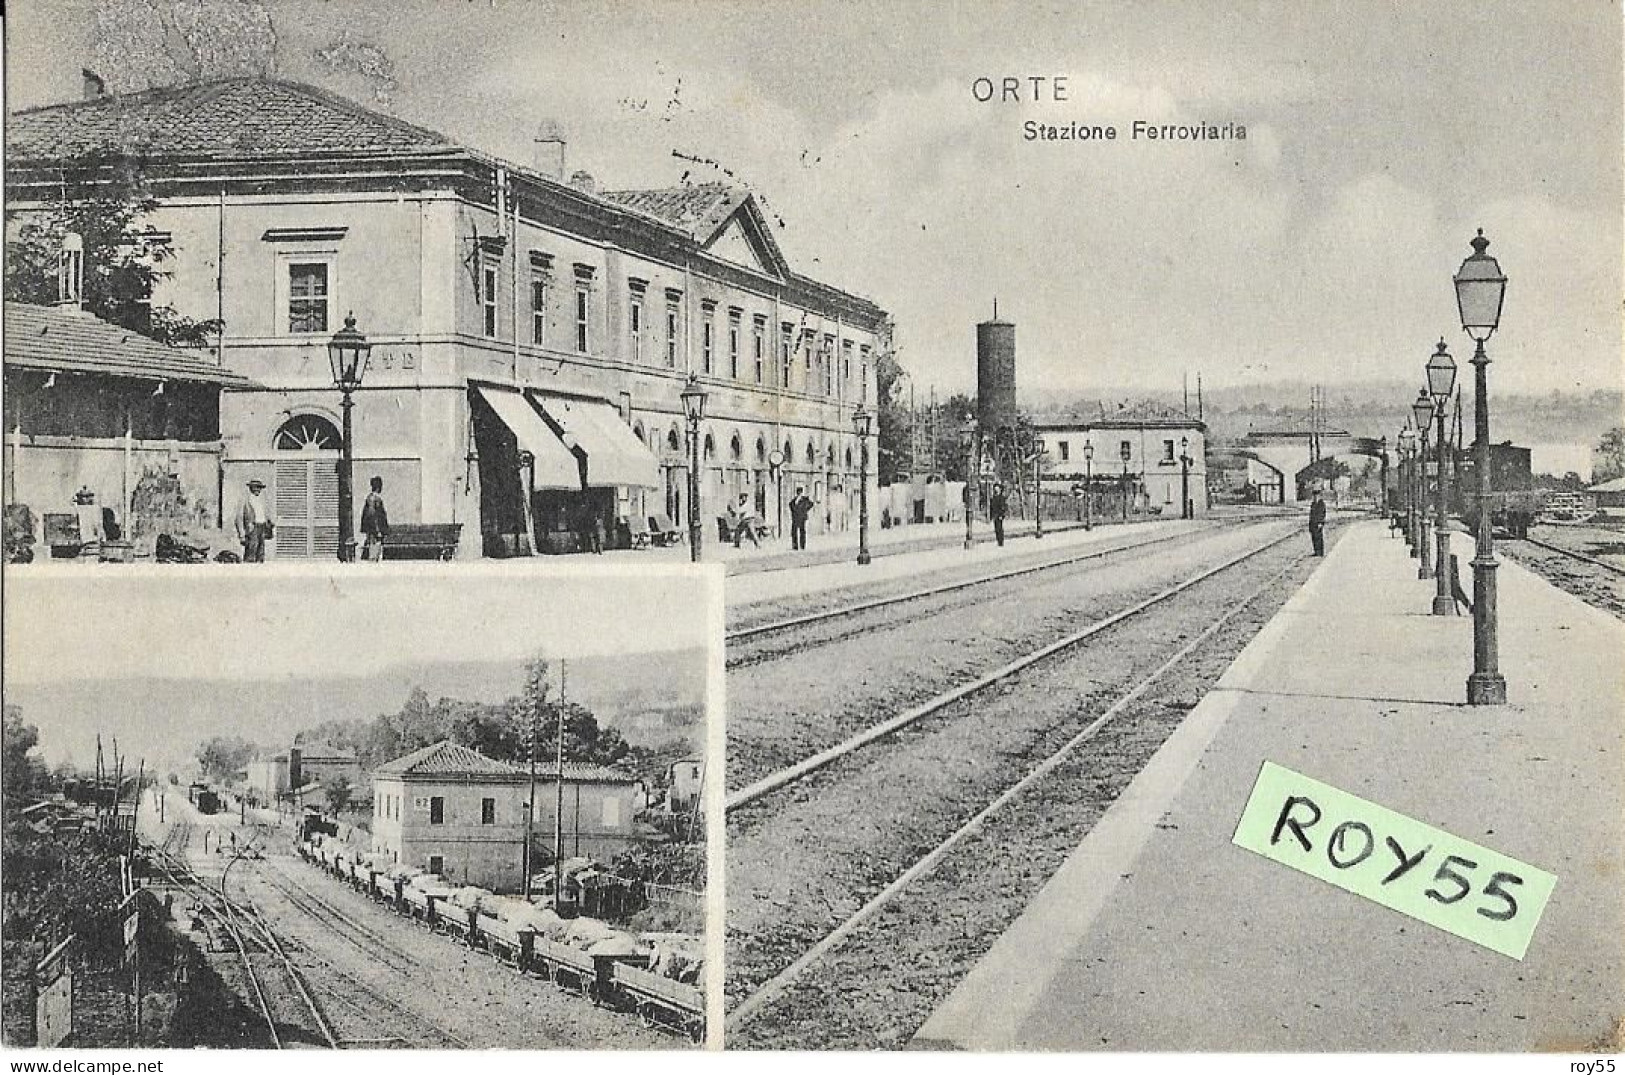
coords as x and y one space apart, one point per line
422 541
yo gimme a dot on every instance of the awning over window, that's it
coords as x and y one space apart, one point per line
555 464
615 456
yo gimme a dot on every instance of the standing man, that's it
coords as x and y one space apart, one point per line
800 508
1317 524
996 508
253 523
374 522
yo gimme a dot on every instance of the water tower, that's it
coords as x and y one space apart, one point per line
996 382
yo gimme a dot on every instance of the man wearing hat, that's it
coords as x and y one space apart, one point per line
254 523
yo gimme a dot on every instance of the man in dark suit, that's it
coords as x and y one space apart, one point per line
1317 524
997 506
374 522
800 507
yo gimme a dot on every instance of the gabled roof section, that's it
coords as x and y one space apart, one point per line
230 118
68 339
721 219
446 758
1145 414
582 773
323 751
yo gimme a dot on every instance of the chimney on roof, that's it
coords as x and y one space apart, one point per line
583 181
550 143
94 85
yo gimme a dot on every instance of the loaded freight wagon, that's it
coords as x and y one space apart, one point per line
657 976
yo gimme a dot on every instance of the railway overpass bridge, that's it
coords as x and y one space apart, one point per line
1288 454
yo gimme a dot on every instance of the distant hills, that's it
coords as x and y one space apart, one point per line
164 720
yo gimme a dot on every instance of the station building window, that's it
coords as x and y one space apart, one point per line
708 336
308 296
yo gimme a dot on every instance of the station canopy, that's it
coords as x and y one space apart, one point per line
555 465
615 455
558 429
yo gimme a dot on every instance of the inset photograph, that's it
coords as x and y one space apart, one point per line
446 808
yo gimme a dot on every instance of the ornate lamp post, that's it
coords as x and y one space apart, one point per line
693 397
860 424
1124 453
1441 371
1088 485
1480 287
1407 481
967 441
1037 444
347 352
1184 478
1422 411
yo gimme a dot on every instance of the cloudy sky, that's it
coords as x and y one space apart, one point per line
279 620
163 658
1379 136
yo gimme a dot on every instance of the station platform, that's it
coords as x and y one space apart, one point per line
1160 934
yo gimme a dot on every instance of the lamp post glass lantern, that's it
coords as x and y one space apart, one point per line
1422 412
1480 289
1441 373
693 397
1088 485
347 353
860 424
1407 479
967 441
1124 453
1184 478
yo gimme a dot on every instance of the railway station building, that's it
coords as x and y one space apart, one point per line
530 334
1135 446
453 811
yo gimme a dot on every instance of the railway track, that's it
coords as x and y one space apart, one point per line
800 770
251 936
361 937
909 876
756 632
1582 557
1595 581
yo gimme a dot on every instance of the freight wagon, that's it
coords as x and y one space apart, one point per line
621 981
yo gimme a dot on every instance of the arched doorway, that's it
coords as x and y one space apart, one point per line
305 489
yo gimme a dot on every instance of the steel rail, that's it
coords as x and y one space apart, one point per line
800 770
739 634
319 910
275 946
369 990
1615 568
776 985
192 881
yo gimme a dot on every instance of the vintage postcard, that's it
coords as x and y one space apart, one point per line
1163 467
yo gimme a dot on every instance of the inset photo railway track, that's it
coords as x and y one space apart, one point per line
313 964
905 781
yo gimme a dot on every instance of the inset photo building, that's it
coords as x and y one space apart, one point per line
389 769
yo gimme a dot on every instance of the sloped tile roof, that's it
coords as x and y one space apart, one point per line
67 338
1615 486
697 208
229 118
446 758
580 772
